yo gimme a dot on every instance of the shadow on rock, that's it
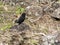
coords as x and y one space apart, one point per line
21 27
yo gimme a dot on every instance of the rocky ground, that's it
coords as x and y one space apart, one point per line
41 26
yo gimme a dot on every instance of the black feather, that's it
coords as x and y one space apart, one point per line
21 18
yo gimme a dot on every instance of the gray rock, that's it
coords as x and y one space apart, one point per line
21 27
57 43
56 13
35 10
50 8
55 5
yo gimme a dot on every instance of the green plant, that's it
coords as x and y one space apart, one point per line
6 26
33 42
1 4
19 10
1 9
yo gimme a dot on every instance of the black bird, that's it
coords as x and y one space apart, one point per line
21 19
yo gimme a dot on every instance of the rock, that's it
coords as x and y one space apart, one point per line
50 8
55 5
31 2
34 12
57 41
56 13
21 27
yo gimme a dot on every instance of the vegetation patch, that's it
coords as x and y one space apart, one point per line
7 26
19 10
